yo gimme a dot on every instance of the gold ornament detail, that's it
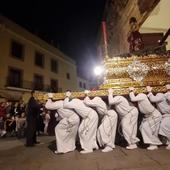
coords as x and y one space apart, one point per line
167 67
155 71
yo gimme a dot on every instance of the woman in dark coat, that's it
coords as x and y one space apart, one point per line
33 109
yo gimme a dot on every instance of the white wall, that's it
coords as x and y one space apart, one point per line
159 20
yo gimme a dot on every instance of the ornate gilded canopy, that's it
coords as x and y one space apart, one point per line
123 72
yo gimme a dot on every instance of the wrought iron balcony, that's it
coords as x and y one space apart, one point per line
28 85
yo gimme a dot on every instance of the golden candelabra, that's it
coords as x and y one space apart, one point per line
124 72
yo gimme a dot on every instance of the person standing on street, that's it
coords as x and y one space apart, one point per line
32 111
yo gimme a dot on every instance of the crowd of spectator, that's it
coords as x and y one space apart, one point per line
13 119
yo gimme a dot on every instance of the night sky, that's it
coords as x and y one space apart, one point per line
72 25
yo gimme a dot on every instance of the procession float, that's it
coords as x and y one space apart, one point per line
122 72
138 69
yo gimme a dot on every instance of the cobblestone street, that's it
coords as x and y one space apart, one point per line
14 156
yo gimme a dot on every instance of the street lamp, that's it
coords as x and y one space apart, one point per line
98 71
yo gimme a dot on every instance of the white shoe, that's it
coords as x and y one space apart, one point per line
3 133
56 152
168 147
168 142
152 147
132 146
86 151
107 149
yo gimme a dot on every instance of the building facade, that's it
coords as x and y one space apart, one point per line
116 15
158 22
82 84
27 62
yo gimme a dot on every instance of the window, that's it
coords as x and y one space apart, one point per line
54 85
84 85
39 59
38 82
14 77
60 89
17 50
80 84
68 76
54 66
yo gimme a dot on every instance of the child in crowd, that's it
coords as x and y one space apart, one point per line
46 121
10 125
21 125
2 127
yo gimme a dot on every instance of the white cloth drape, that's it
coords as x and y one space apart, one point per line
164 108
167 95
107 129
128 115
150 125
88 127
66 129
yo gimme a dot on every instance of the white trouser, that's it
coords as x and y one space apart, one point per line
149 128
129 126
66 132
87 131
46 127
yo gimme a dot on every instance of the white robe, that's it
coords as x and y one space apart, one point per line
66 129
150 124
107 129
167 95
88 127
164 108
129 117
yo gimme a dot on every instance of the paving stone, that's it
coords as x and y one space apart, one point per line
14 156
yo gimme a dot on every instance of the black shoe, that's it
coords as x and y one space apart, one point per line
26 145
37 142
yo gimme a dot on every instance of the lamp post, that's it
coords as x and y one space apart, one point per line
98 71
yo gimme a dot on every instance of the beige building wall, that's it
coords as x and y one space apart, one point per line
10 31
82 84
159 20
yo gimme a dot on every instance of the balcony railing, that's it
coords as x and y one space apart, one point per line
29 85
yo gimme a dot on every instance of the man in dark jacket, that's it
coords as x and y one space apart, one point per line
33 108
